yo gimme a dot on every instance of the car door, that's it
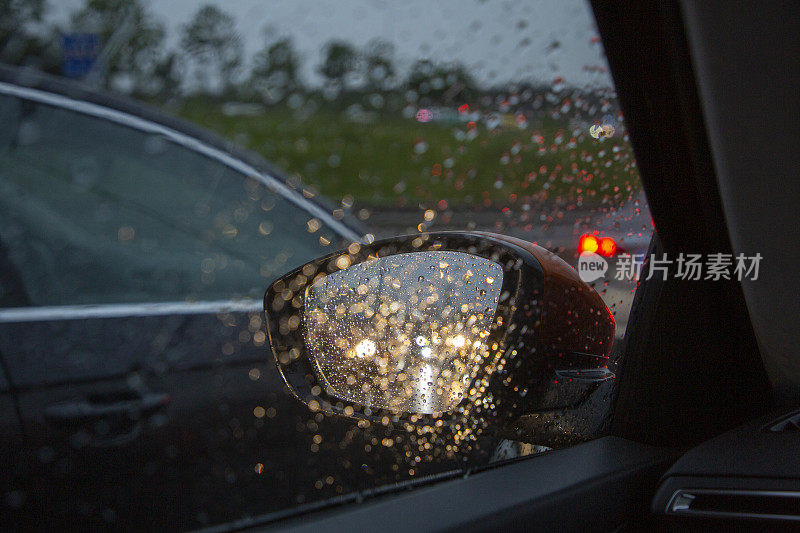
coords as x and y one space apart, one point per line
133 335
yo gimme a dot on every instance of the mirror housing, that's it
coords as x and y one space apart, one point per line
545 346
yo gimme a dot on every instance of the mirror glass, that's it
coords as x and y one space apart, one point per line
405 332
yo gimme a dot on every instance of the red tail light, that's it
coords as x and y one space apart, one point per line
607 247
590 243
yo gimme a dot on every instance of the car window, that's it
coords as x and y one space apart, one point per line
94 212
408 117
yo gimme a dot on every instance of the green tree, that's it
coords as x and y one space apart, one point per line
19 43
443 84
341 60
18 14
131 40
378 61
275 67
212 41
167 79
420 75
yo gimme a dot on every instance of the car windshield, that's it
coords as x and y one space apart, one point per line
162 163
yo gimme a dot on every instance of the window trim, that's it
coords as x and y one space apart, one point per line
10 315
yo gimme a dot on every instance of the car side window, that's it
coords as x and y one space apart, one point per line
94 212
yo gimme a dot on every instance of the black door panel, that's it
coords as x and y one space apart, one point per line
154 417
216 409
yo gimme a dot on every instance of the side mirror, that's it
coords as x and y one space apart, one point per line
438 327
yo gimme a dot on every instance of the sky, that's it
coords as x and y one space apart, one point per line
498 40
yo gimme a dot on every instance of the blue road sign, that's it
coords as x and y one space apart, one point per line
80 52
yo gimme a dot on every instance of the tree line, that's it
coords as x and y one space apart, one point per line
210 57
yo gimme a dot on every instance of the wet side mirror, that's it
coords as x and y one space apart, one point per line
438 326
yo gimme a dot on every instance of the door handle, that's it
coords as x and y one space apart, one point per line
88 409
108 422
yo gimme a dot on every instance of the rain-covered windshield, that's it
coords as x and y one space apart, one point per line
135 247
